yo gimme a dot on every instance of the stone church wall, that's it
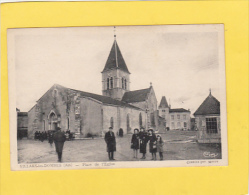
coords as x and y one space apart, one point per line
129 119
108 113
55 100
91 116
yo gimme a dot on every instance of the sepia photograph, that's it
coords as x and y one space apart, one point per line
117 97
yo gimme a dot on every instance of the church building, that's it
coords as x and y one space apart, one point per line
82 112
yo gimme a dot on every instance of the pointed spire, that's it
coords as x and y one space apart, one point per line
115 59
150 84
210 93
163 103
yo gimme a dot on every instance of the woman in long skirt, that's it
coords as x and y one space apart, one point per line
135 142
143 136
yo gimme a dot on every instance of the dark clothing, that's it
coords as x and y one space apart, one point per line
153 143
42 136
36 133
50 138
121 132
59 139
110 141
159 144
110 155
143 141
135 142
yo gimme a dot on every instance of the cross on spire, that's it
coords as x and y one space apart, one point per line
114 32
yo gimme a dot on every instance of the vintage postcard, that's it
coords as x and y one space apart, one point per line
117 97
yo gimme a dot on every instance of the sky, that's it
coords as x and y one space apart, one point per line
181 61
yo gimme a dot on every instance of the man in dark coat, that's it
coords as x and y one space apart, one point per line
111 143
59 139
143 136
50 138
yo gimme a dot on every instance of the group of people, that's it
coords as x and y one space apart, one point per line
44 135
139 141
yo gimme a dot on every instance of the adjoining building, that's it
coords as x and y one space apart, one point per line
22 124
83 113
207 119
175 118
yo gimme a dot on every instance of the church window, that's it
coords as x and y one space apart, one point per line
172 117
125 84
184 116
152 119
185 124
122 83
163 110
55 93
140 120
107 83
178 116
111 122
111 83
68 123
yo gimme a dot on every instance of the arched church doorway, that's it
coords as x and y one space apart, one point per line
53 121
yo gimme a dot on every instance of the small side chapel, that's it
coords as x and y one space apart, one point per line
82 112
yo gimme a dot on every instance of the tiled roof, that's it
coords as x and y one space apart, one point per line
178 110
105 99
22 114
136 96
210 106
163 103
115 59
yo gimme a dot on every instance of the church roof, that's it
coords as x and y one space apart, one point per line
163 103
210 106
115 59
105 99
22 114
136 96
178 110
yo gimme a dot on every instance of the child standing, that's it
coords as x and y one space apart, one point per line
160 146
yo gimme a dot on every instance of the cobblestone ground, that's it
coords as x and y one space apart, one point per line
179 145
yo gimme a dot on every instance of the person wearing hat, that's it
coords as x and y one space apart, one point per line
59 139
152 143
111 143
143 136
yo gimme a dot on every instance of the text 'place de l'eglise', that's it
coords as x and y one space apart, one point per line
86 113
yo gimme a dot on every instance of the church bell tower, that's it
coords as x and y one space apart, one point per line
115 76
